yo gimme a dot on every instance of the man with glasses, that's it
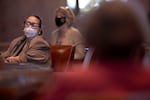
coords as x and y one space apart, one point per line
31 47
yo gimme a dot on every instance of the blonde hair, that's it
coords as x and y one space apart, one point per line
68 14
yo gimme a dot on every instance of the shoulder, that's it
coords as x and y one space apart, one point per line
75 30
17 39
39 40
20 37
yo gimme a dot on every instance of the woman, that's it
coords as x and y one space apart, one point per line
31 47
66 34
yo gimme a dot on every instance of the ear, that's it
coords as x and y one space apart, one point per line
40 32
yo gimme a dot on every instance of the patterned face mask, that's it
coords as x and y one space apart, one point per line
60 21
30 32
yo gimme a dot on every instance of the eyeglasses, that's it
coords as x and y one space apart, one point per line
34 25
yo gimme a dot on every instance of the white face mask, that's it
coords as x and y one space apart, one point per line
30 32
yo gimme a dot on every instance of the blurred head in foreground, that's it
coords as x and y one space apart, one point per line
117 30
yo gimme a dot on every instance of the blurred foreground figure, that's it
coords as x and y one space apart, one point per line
30 47
117 32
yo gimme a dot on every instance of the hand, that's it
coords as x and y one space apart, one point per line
12 60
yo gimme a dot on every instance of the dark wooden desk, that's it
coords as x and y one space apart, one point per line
17 81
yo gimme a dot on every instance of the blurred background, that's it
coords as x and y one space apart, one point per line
14 12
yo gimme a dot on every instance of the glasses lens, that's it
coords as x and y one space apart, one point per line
34 25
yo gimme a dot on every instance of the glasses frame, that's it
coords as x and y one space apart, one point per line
33 25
